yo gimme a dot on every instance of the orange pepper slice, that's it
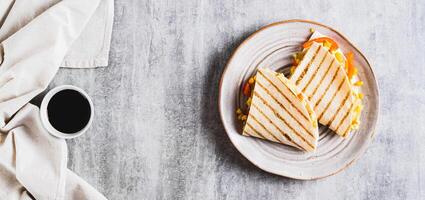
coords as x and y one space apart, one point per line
351 70
247 89
334 45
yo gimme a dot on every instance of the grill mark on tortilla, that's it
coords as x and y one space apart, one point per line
281 132
308 65
327 88
287 124
282 106
332 99
343 119
321 80
342 105
315 72
346 131
268 131
255 130
283 94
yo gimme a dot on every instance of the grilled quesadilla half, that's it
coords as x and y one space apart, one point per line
279 112
328 79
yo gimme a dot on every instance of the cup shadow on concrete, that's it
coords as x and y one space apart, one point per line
211 121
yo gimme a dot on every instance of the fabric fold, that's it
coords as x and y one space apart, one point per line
32 162
90 49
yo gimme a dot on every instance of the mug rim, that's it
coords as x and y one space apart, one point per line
44 115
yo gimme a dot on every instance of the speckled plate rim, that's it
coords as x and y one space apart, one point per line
373 130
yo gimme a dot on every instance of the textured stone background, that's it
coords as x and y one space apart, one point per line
157 132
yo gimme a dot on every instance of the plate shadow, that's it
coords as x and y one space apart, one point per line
229 157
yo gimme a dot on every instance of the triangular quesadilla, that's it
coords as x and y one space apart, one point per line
322 77
279 112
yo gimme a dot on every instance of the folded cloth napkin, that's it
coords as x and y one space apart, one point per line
91 49
32 162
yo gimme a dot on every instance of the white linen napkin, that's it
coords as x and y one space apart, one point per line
32 162
91 49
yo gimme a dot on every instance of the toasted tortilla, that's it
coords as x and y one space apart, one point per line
323 79
280 113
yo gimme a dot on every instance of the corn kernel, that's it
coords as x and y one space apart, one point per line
360 95
327 44
358 83
251 81
292 70
248 102
315 124
339 57
298 56
355 126
254 77
358 108
312 30
238 111
243 118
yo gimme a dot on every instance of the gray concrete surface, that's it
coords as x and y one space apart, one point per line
157 132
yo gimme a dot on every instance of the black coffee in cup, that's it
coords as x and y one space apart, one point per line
68 111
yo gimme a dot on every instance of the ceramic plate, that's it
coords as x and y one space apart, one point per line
272 47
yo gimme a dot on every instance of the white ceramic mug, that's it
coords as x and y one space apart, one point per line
44 115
